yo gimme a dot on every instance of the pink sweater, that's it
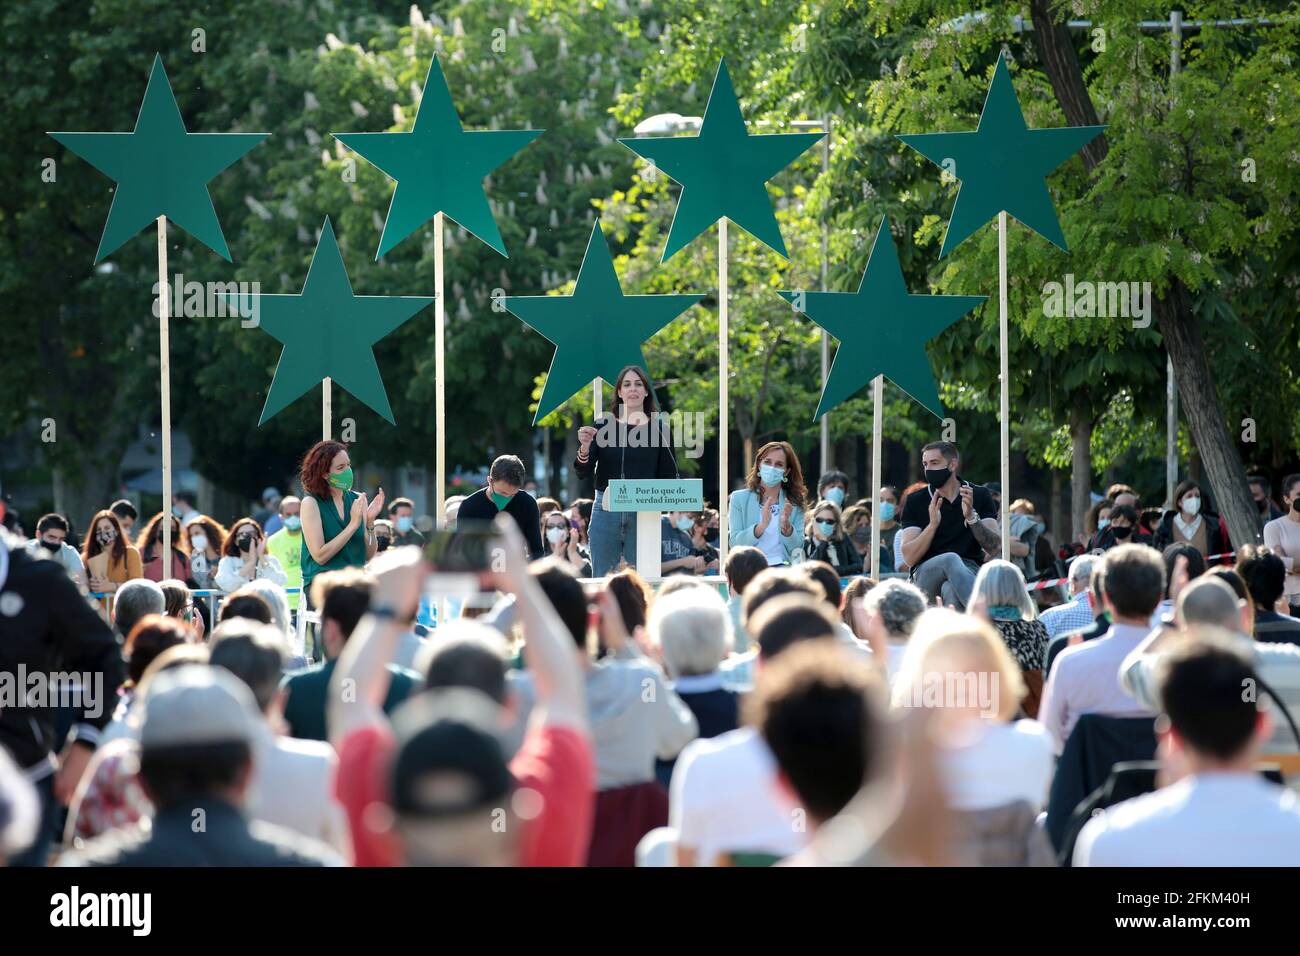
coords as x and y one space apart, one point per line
1282 535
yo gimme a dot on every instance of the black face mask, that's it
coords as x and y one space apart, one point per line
1121 532
936 477
54 547
382 542
1295 505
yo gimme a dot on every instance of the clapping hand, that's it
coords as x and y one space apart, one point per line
372 512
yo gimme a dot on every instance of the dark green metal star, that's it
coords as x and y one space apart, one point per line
328 332
882 329
1002 165
439 166
597 330
723 171
160 169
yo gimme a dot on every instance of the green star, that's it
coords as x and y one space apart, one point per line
160 169
1003 165
882 328
597 330
328 332
438 166
723 171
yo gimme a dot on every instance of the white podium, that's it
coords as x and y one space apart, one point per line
649 498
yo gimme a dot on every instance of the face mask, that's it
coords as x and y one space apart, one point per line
293 522
342 480
770 475
555 534
1103 524
244 542
176 510
937 476
54 547
1295 505
1122 532
713 534
685 525
106 538
381 542
886 511
862 535
499 500
826 527
835 496
1191 506
404 524
199 542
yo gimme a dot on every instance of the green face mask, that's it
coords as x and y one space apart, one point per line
500 500
342 480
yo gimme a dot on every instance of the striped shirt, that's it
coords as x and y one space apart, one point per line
1074 615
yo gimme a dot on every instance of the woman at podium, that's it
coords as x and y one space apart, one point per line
630 442
768 512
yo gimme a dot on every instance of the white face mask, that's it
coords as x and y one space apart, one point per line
555 535
199 542
1191 506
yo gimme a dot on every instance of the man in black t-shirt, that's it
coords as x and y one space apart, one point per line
947 528
505 480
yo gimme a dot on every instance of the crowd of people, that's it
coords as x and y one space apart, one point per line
766 702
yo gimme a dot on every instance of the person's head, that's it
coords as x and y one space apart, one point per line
743 565
271 498
960 664
828 582
1210 600
692 628
343 597
383 534
562 588
252 652
104 534
1122 494
833 486
449 779
556 529
547 505
1209 717
150 636
1291 493
246 604
1188 552
821 716
505 478
1080 571
1021 506
826 521
1187 498
325 468
1098 516
1000 586
198 726
633 596
402 514
276 599
706 524
126 515
1264 574
178 601
633 391
894 606
1232 579
1133 582
888 502
243 538
470 654
290 512
994 489
451 510
772 583
1123 522
940 461
855 591
580 511
134 600
149 541
786 620
203 534
776 464
51 532
1260 489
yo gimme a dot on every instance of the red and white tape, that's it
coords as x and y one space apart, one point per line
1040 585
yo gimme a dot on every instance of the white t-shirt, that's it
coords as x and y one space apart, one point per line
770 542
725 798
895 659
998 764
1220 819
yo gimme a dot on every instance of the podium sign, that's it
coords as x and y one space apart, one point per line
656 494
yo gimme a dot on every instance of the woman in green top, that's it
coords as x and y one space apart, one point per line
338 524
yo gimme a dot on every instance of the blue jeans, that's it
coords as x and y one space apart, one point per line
611 536
949 576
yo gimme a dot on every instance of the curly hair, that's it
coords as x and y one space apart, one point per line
213 528
315 468
795 489
144 540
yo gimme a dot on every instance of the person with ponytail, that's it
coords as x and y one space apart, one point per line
337 522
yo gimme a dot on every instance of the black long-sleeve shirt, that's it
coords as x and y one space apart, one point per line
630 454
522 507
48 627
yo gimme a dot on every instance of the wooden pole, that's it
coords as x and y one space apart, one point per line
1004 385
326 410
439 371
724 417
877 400
165 387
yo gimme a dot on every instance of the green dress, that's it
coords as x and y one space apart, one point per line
351 555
